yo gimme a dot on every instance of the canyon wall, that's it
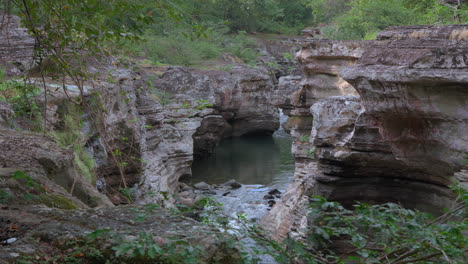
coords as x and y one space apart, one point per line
386 122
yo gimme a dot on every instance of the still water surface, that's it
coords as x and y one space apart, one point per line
249 160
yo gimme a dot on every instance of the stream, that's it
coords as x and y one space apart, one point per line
260 164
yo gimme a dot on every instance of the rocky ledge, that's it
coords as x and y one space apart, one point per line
45 233
383 121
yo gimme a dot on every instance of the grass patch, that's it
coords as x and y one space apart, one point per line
177 47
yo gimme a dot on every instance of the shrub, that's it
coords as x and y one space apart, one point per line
71 136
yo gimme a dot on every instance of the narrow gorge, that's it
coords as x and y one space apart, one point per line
374 121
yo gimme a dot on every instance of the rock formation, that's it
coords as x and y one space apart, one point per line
241 96
321 60
42 232
34 169
414 85
16 46
400 138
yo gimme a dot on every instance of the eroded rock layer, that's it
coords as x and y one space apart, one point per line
415 87
384 121
321 61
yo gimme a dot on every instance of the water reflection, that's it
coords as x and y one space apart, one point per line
249 160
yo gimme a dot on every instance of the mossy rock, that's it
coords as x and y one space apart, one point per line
57 201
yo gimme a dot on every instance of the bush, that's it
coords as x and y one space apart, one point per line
71 136
20 95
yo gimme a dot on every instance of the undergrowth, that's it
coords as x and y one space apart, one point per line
176 48
71 136
384 233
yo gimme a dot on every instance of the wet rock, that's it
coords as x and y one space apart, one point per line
233 184
291 210
202 186
226 193
210 192
271 203
274 192
268 197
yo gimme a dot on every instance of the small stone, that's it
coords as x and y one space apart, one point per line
210 192
202 186
233 184
268 197
184 187
10 241
274 192
271 203
187 202
226 193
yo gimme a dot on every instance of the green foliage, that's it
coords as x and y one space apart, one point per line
304 139
243 47
361 19
203 104
107 246
175 48
70 136
5 197
388 233
324 11
311 153
21 95
249 15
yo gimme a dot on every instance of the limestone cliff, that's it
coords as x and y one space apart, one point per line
321 60
400 138
415 87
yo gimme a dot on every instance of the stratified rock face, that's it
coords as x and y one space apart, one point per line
283 94
16 46
208 135
241 96
166 146
290 213
44 171
401 140
356 164
415 86
322 60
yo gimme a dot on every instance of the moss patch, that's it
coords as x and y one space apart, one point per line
57 201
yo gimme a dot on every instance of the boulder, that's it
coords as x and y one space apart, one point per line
202 186
33 165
